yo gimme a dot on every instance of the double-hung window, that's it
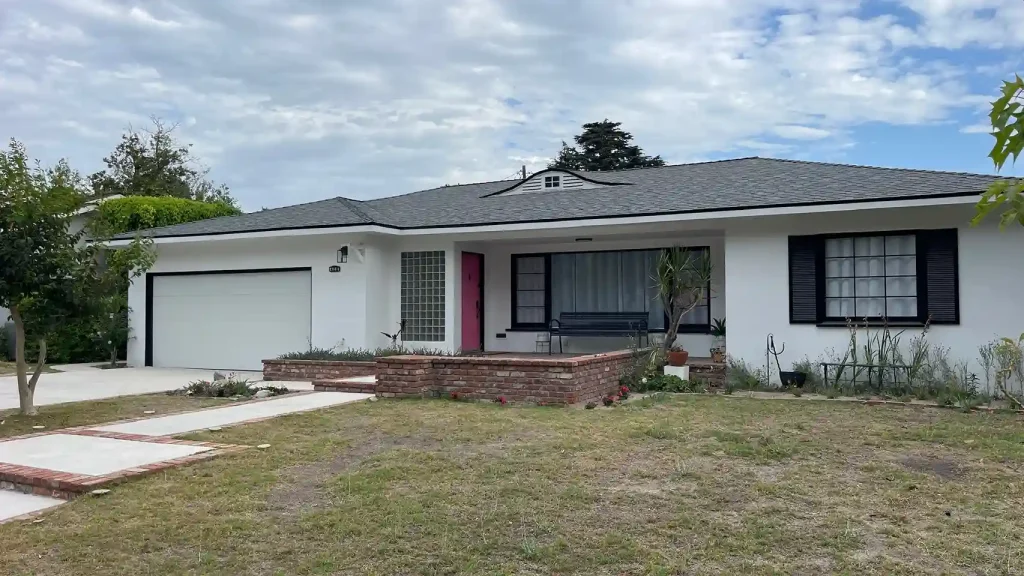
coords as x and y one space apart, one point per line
546 285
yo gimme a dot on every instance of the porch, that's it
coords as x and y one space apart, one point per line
509 290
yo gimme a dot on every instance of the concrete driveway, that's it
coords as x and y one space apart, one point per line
77 383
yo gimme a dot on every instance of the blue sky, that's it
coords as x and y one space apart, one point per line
295 100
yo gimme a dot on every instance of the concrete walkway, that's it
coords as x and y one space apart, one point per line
83 382
203 419
14 504
90 457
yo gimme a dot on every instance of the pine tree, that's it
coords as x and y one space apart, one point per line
604 146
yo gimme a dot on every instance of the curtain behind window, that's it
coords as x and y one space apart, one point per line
606 282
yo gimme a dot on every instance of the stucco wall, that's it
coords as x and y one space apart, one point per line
498 291
991 265
339 300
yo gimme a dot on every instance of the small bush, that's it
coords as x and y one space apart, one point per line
227 388
740 376
814 381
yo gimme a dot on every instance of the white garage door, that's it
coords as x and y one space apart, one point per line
229 321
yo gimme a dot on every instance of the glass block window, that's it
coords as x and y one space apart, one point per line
871 277
423 296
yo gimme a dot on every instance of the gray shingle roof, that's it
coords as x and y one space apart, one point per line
682 188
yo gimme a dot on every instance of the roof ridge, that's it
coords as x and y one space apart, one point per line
442 187
666 165
872 167
350 204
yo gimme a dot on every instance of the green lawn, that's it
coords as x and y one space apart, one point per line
57 416
692 485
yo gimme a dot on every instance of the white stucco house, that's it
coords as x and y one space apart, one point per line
797 248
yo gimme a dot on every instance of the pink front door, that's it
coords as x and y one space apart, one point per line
472 301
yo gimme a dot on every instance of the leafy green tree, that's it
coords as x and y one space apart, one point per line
152 163
48 276
1007 118
603 146
116 270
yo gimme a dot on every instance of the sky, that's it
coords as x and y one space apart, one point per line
289 101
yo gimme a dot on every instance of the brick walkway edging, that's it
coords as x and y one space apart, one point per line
67 485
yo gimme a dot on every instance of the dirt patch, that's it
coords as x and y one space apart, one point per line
302 487
941 467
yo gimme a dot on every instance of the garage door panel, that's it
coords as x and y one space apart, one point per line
229 321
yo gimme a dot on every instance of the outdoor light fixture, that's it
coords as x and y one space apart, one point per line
343 255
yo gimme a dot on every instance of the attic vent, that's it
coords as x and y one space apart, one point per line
551 182
570 181
532 185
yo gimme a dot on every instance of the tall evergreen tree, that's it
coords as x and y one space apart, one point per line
603 146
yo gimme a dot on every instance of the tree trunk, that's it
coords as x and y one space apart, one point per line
26 394
113 356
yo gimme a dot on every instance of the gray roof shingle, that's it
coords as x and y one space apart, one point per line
701 187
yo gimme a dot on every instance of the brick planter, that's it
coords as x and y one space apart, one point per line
538 380
310 370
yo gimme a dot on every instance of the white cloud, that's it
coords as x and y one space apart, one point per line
293 100
976 129
794 132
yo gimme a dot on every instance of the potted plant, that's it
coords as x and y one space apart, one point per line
677 356
789 379
718 340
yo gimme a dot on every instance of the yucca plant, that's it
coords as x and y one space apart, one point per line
681 278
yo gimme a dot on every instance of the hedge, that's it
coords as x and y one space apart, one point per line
133 213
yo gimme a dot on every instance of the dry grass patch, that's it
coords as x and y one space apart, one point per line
10 368
696 485
56 416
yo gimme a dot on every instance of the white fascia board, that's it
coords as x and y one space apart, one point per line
583 223
694 217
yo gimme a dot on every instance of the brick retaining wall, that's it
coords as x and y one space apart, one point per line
539 380
310 370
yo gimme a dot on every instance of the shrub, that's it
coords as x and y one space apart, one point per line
740 376
226 388
643 365
134 213
814 380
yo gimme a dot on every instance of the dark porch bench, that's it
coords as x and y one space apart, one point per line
598 324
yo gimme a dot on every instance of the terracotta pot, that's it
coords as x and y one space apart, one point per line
718 355
678 357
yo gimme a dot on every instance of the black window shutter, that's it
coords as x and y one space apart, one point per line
942 283
803 279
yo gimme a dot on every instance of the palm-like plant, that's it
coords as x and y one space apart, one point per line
681 278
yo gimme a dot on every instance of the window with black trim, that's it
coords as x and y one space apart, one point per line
907 276
546 285
530 277
552 181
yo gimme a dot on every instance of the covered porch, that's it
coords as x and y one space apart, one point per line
510 286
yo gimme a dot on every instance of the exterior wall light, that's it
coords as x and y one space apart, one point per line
343 255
